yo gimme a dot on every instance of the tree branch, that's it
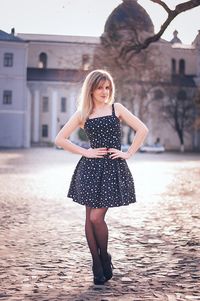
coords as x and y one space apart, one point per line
182 7
163 4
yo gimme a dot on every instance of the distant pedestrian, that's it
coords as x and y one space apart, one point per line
157 142
102 178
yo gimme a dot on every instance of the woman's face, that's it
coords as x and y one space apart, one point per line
102 92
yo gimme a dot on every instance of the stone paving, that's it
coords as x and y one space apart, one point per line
155 242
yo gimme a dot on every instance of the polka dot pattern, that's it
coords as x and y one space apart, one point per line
102 182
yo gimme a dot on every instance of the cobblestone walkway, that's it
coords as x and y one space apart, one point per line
155 243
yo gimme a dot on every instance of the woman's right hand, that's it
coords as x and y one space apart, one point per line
95 152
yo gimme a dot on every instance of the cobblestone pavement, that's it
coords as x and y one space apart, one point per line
154 242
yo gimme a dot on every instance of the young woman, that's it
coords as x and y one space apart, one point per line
102 178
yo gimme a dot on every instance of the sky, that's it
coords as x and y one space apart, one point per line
87 17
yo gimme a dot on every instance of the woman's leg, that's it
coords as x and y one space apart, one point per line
91 240
100 229
101 235
97 237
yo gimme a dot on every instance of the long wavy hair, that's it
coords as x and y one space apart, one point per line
91 82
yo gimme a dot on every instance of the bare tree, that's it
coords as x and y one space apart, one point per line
197 119
178 111
133 40
134 80
129 51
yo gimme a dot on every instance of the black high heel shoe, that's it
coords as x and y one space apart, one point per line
107 267
99 278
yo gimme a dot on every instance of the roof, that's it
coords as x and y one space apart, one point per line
4 36
129 15
182 46
58 38
183 80
56 75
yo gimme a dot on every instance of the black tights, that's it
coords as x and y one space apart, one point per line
96 232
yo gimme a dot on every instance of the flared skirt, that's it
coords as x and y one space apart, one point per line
102 183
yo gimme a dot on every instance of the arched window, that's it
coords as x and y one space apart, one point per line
158 94
42 60
173 66
182 67
85 61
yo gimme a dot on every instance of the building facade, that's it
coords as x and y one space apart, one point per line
56 68
14 105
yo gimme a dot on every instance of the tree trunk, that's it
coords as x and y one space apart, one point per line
182 148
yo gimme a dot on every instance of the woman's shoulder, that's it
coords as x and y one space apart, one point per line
121 106
76 117
77 114
118 107
121 111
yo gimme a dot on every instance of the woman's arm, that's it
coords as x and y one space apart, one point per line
136 124
62 140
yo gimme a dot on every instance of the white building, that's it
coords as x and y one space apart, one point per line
56 68
14 104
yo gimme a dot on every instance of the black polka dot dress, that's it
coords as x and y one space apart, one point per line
102 182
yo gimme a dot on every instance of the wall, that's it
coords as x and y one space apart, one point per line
14 120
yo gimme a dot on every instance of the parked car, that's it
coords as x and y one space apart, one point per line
83 144
154 148
125 147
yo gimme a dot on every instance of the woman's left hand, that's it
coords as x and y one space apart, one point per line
116 153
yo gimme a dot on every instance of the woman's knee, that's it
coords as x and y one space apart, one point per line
96 217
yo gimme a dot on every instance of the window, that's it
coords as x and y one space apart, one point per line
42 60
8 59
173 66
158 94
85 61
44 130
63 104
7 97
182 67
45 104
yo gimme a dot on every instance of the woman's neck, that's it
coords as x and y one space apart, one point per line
99 106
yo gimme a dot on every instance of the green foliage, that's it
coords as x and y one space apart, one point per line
82 135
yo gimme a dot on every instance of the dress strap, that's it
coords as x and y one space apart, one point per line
113 110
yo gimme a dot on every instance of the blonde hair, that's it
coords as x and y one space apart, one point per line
91 82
